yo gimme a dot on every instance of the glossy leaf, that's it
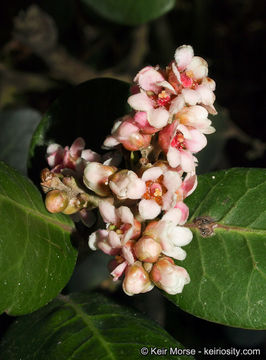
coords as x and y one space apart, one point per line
227 269
83 326
130 12
36 254
88 110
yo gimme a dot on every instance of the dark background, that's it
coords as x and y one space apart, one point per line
61 44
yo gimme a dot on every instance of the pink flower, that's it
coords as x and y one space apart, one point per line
60 158
141 121
170 236
117 238
159 189
161 186
163 93
168 276
127 132
191 72
76 157
154 97
179 143
197 117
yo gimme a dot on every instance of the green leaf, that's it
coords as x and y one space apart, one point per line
17 127
84 326
130 12
36 254
87 110
227 269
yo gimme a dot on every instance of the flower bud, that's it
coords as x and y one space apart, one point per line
129 135
56 201
148 250
168 276
96 177
136 280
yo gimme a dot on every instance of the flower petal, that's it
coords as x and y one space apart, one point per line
205 94
175 252
169 277
189 184
128 255
183 56
110 142
199 67
180 235
173 157
125 215
176 73
77 146
172 180
90 155
184 210
197 141
108 212
147 79
173 216
149 209
140 102
158 117
95 237
165 84
192 97
177 104
118 271
114 239
187 161
136 190
152 173
185 131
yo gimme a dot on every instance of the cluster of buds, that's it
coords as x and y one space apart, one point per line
142 207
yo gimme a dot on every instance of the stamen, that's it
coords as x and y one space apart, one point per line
155 190
163 98
178 141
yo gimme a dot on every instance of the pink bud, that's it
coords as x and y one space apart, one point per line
147 250
136 280
168 276
140 119
183 56
96 177
199 68
136 141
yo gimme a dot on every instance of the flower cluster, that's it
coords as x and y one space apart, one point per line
142 207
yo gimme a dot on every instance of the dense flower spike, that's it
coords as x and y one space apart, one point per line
141 207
